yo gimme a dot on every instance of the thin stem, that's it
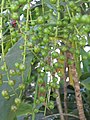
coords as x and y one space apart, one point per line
1 26
59 114
59 104
25 39
35 97
43 7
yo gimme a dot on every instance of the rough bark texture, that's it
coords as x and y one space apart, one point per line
77 88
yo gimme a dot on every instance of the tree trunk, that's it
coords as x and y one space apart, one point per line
77 88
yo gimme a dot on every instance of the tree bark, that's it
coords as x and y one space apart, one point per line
77 88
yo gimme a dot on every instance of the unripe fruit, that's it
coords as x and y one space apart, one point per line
3 68
14 7
36 110
15 16
22 1
5 94
17 101
40 81
22 67
13 108
36 49
12 72
17 65
22 86
53 1
11 83
42 89
40 20
54 55
42 99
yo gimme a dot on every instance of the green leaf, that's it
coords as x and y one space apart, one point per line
84 76
14 55
86 83
24 109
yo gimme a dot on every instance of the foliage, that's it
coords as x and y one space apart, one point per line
38 43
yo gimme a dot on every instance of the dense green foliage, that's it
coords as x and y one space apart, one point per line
35 41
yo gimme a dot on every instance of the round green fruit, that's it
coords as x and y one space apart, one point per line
15 16
11 83
14 7
12 72
40 20
42 89
13 108
36 110
21 67
36 49
22 1
42 99
22 86
54 55
53 1
4 93
17 65
17 101
40 81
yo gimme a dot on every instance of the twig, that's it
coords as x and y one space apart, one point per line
71 115
58 100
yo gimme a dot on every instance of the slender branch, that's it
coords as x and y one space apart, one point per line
58 100
71 115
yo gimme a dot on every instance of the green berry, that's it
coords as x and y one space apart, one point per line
22 86
40 20
53 1
54 55
42 89
15 16
17 101
22 1
21 67
13 108
42 99
12 72
36 49
36 110
11 83
5 94
14 7
17 65
3 68
40 81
